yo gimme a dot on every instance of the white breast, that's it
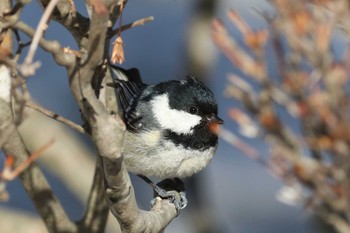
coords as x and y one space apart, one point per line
168 162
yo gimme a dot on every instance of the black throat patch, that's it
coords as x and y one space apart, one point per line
201 139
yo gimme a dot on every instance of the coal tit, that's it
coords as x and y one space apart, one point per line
170 125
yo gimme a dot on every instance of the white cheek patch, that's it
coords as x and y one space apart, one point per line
178 121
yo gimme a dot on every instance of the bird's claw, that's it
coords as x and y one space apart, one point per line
174 191
177 198
183 199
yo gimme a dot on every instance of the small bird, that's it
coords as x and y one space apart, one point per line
171 126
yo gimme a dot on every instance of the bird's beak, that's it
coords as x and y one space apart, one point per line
214 119
213 122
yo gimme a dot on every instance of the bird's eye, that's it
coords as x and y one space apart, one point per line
193 110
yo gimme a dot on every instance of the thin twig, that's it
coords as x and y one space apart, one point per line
39 32
12 174
51 46
136 23
56 117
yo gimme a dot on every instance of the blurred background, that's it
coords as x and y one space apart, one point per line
234 193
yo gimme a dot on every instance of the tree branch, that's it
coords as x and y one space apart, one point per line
122 202
53 47
55 116
97 210
107 132
136 23
39 31
32 178
72 20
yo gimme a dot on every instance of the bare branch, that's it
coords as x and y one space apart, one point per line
121 196
55 116
9 175
73 21
42 26
53 47
136 23
97 210
32 178
107 132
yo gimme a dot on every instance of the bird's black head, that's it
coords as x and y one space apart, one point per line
189 95
187 110
193 96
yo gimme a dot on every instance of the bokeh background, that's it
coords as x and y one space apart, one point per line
233 194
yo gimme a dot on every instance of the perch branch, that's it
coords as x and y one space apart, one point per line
107 132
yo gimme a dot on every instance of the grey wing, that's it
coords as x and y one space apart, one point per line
129 87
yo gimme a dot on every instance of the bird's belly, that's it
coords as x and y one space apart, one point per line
168 162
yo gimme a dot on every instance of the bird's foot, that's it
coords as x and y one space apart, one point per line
171 189
174 191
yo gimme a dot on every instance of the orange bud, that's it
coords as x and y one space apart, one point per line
118 51
9 161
